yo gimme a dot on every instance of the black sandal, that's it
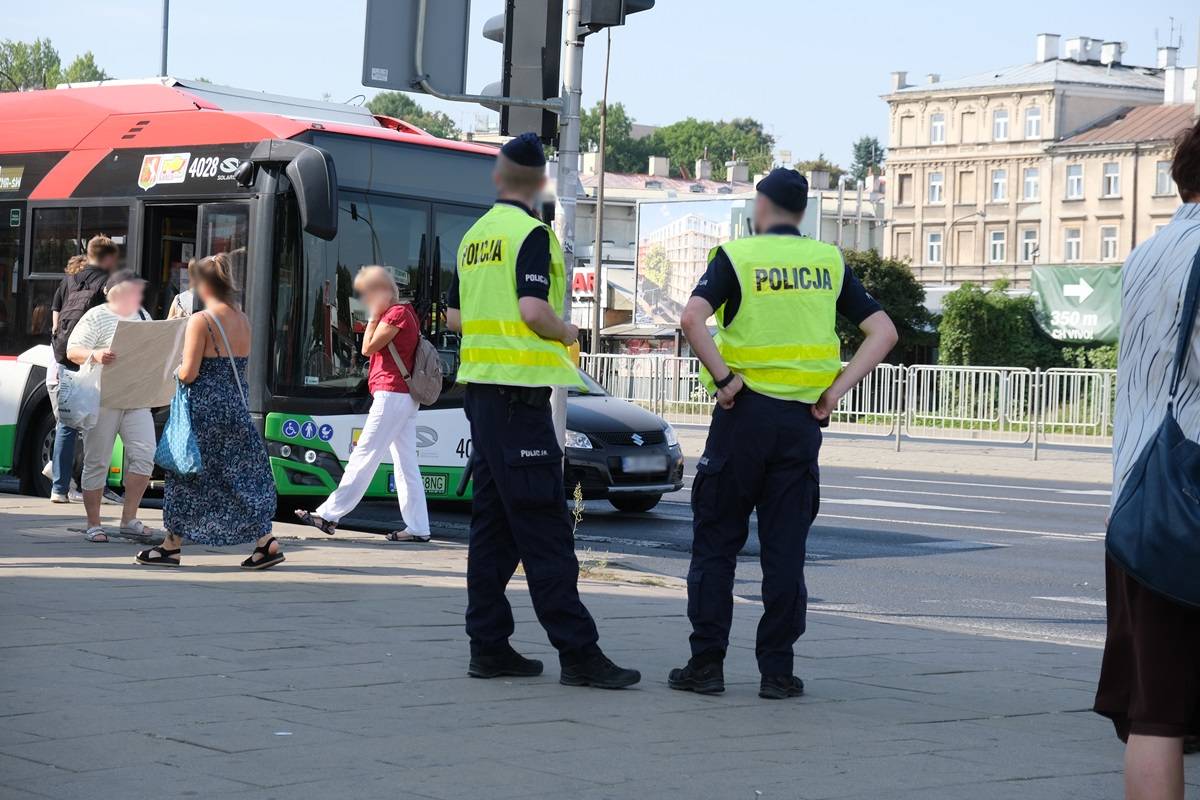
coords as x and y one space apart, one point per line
405 536
323 525
158 556
268 559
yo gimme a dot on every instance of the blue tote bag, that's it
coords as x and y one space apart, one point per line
177 450
1154 532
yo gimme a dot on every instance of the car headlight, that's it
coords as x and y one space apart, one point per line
578 440
672 438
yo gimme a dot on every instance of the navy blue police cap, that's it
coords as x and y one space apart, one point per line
525 150
786 188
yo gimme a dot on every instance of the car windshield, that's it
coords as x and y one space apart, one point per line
593 389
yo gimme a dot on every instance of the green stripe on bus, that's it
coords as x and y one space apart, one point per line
8 441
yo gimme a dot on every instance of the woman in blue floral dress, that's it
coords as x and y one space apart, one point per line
232 499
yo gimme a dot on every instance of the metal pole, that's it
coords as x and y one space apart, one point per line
598 247
166 15
841 209
858 231
568 173
1037 409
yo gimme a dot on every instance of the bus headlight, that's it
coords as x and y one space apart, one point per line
310 456
578 440
285 450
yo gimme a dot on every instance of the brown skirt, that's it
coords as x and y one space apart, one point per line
1150 678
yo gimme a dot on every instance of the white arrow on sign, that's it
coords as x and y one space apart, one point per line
1080 291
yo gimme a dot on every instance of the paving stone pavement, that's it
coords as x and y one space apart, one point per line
342 674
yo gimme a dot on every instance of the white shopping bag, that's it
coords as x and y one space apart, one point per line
79 397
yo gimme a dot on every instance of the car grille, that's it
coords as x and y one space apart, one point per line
626 437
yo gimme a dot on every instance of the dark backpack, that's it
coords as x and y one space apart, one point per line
84 291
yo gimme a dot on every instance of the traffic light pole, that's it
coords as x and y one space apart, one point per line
568 173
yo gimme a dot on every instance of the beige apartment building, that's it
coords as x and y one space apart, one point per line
992 173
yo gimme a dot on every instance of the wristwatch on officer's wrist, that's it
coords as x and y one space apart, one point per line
728 379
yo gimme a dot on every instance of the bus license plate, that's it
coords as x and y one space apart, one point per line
434 484
643 464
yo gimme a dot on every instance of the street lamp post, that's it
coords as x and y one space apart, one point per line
949 232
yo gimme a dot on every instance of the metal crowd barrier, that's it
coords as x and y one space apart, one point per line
984 404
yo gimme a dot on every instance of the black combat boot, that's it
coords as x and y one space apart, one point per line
703 674
780 687
592 668
502 662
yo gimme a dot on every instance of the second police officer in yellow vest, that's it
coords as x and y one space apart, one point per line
775 366
507 301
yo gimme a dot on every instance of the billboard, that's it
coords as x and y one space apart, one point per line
1078 304
674 240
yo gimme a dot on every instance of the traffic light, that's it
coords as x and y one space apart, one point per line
599 14
531 32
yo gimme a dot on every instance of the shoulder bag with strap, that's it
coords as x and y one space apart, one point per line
425 381
1154 531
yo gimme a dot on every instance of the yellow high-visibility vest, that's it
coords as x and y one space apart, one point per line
783 340
497 346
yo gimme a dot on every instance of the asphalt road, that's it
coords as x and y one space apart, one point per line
995 556
1016 558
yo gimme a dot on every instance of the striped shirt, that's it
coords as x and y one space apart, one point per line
95 329
1154 280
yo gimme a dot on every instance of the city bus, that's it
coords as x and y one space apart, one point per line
301 193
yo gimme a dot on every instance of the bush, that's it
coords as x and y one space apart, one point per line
891 283
1102 356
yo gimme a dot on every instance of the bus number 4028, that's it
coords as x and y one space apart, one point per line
464 448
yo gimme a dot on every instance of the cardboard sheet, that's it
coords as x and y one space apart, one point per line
143 376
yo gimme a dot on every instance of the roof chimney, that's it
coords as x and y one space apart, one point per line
1167 57
1180 85
818 179
737 171
933 77
591 163
899 80
1047 47
1082 48
703 169
1110 52
660 167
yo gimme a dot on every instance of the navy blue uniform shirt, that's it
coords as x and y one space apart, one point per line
719 286
533 264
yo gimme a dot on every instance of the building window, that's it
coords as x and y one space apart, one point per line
933 247
1111 185
1033 123
937 129
1029 245
1162 178
936 187
1072 244
997 247
1108 243
999 185
1032 184
1074 181
1000 125
904 195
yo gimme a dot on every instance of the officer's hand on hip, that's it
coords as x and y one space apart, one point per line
571 336
727 393
826 405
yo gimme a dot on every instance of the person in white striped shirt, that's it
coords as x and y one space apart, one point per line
90 342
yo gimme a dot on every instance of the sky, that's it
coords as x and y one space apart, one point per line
811 72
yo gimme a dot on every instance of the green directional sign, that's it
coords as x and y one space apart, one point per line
1078 303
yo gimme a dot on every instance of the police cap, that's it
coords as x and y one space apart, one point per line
525 150
786 188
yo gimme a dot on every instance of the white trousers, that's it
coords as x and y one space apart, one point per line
391 428
136 427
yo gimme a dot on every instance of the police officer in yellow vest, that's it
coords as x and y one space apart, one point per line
775 367
507 301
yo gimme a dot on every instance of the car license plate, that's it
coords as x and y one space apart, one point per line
643 464
434 484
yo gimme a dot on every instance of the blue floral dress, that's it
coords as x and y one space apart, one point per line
232 499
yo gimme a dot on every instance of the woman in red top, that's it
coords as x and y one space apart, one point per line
392 334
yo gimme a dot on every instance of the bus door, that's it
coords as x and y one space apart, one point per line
177 233
225 228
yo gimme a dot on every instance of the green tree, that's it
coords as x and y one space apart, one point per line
893 284
25 66
622 153
824 164
656 265
685 141
867 154
401 106
83 70
990 328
